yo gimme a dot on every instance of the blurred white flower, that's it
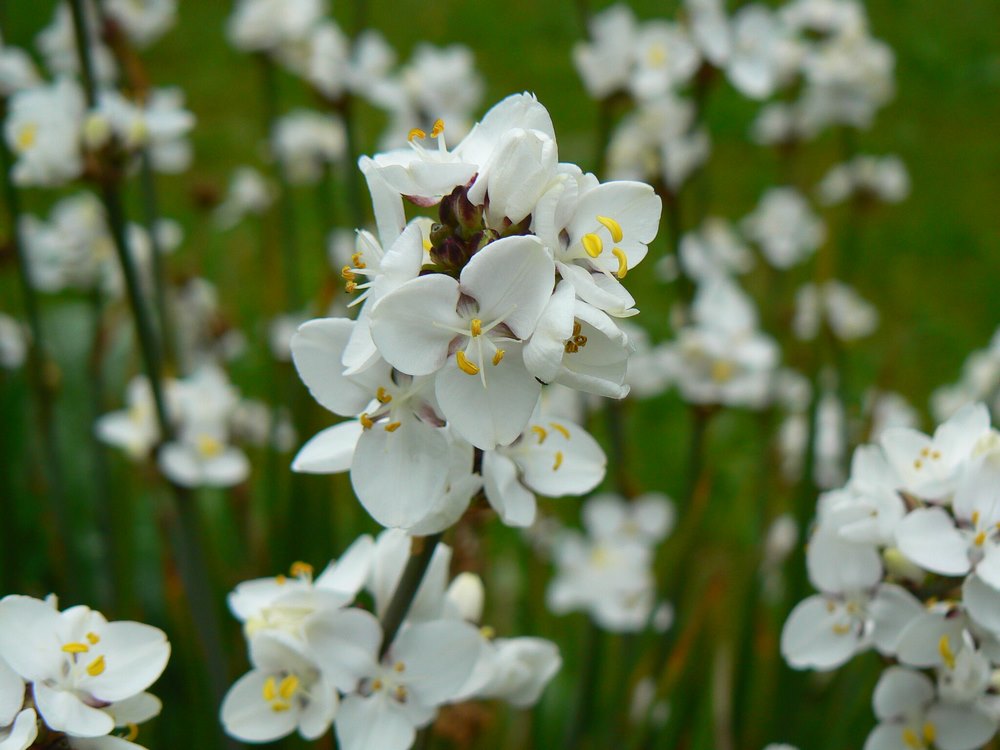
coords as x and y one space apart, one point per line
143 21
883 178
13 343
307 143
785 227
249 193
43 133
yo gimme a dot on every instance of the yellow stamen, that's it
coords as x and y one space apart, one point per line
540 431
722 371
580 341
427 244
279 707
559 460
577 328
917 464
357 261
280 579
476 327
96 667
980 539
622 262
465 365
487 632
347 273
393 426
300 568
930 732
936 455
399 666
841 629
288 687
350 286
438 128
26 137
382 395
366 421
910 739
133 732
613 226
947 655
208 446
592 244
415 133
498 356
925 452
560 429
975 518
75 648
401 693
571 348
377 684
93 639
270 689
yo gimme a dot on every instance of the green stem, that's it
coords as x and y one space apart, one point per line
587 683
151 216
421 553
353 188
41 375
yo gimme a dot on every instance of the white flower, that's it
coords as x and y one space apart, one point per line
427 665
143 21
785 227
665 59
515 670
265 25
306 143
135 429
910 716
763 54
57 44
249 193
647 519
714 248
76 660
17 70
710 29
846 313
42 131
605 63
883 178
13 343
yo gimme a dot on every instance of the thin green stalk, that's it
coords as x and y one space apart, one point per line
578 723
151 218
421 553
41 374
345 106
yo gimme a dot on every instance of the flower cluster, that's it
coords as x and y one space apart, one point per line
608 572
318 656
903 557
463 319
72 677
980 381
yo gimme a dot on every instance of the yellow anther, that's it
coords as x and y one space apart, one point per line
622 262
558 461
393 426
947 655
722 371
830 606
580 341
208 446
350 287
96 667
401 693
366 421
925 452
347 273
300 569
476 327
841 629
980 539
930 732
540 431
357 261
270 689
280 579
399 666
278 707
288 687
498 356
415 133
133 732
910 739
93 639
377 684
577 328
75 648
560 429
465 365
918 464
487 632
427 244
612 226
975 518
936 455
592 244
656 56
382 395
438 128
26 137
571 348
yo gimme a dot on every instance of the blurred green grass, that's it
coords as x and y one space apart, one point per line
931 265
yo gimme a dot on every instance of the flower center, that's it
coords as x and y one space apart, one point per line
279 694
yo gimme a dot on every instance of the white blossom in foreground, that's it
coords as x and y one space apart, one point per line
86 675
42 130
607 572
517 284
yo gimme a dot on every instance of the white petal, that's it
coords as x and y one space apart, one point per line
345 644
439 657
371 723
928 537
560 465
399 475
892 609
919 643
511 278
11 694
960 727
64 712
988 568
317 715
248 717
900 692
407 323
226 470
135 657
809 639
330 451
22 733
349 573
508 497
543 353
317 350
494 414
28 637
983 602
837 565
